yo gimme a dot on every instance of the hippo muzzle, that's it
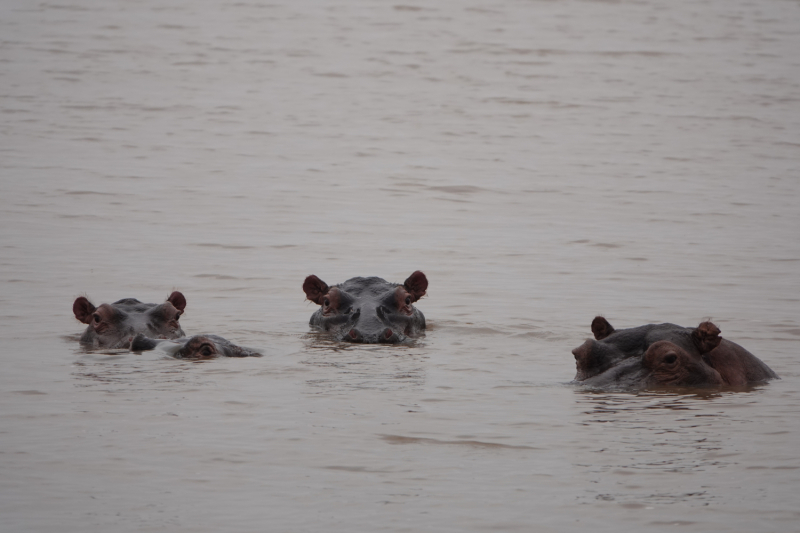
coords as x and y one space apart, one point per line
375 326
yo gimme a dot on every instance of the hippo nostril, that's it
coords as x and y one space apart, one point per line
388 333
353 334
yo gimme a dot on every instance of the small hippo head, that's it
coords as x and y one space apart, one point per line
671 365
196 347
114 325
368 310
610 346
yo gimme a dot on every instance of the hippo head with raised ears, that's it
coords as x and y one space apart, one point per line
665 355
368 310
114 325
611 346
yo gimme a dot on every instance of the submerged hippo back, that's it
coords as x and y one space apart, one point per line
737 366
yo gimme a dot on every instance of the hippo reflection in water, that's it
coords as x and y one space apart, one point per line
114 325
196 347
665 355
368 310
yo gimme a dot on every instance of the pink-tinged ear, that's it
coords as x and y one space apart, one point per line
178 300
83 310
601 328
416 285
706 337
315 289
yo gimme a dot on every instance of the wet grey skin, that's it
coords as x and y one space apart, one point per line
368 310
665 354
196 347
114 325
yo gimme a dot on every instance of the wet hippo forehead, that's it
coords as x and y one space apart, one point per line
367 288
638 339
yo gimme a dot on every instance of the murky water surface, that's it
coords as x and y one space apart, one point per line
542 162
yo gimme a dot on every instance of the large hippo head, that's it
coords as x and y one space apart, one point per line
665 354
114 325
610 346
196 347
368 310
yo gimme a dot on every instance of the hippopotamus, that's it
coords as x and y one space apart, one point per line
196 347
665 355
114 325
368 310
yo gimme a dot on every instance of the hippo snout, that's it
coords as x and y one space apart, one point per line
385 336
389 336
141 343
584 361
582 351
354 336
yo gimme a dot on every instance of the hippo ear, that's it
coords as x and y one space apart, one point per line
601 328
315 289
83 310
178 300
416 285
706 337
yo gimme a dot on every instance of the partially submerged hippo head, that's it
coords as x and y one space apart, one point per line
668 364
114 325
196 347
665 354
610 346
368 310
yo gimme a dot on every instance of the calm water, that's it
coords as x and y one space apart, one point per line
542 162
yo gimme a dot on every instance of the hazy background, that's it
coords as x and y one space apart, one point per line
541 161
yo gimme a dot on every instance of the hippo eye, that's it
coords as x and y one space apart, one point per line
178 315
670 358
408 300
97 318
327 302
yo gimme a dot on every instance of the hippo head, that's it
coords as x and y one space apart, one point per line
196 347
368 310
114 325
670 365
610 346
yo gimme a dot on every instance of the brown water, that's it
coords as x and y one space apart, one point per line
542 163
